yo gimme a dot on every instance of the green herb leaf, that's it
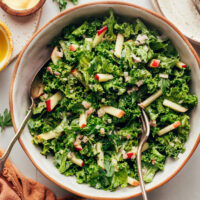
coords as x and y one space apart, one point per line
63 3
5 120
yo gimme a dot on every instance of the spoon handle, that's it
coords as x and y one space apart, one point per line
17 135
142 185
144 137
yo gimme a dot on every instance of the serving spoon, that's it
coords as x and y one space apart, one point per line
144 137
35 91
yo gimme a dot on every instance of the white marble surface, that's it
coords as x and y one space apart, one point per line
184 186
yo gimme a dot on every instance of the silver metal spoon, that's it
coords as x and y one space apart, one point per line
34 92
144 137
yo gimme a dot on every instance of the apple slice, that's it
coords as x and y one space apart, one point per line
82 120
53 101
78 75
132 181
86 104
119 45
100 156
99 36
169 128
166 76
181 65
103 77
132 154
174 106
77 161
149 100
77 143
113 111
73 47
55 132
56 55
154 63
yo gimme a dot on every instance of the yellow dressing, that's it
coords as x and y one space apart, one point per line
3 46
21 4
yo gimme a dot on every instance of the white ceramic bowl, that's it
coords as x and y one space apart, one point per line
30 59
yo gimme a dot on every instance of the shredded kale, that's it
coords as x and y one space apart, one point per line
75 74
5 119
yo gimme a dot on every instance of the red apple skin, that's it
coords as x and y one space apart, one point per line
78 148
154 63
83 125
82 164
177 124
102 30
72 48
184 66
48 103
97 77
129 155
74 70
121 114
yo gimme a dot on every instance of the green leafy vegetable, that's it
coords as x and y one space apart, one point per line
5 119
101 94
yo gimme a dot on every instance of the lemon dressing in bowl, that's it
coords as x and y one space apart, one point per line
5 45
21 4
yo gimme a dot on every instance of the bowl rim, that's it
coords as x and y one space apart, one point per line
15 72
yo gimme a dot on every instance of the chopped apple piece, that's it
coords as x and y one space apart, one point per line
103 77
149 100
166 76
77 142
169 128
78 75
53 101
99 36
86 104
56 55
174 106
132 154
100 157
119 45
132 181
83 120
77 161
181 65
73 47
55 132
113 111
154 63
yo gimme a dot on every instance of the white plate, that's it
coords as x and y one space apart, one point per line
183 14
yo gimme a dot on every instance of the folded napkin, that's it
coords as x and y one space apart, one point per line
15 186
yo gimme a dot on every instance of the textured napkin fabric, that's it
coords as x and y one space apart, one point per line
15 186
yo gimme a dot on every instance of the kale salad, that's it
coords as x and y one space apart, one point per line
87 115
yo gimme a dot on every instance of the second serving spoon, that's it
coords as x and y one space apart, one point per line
144 137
